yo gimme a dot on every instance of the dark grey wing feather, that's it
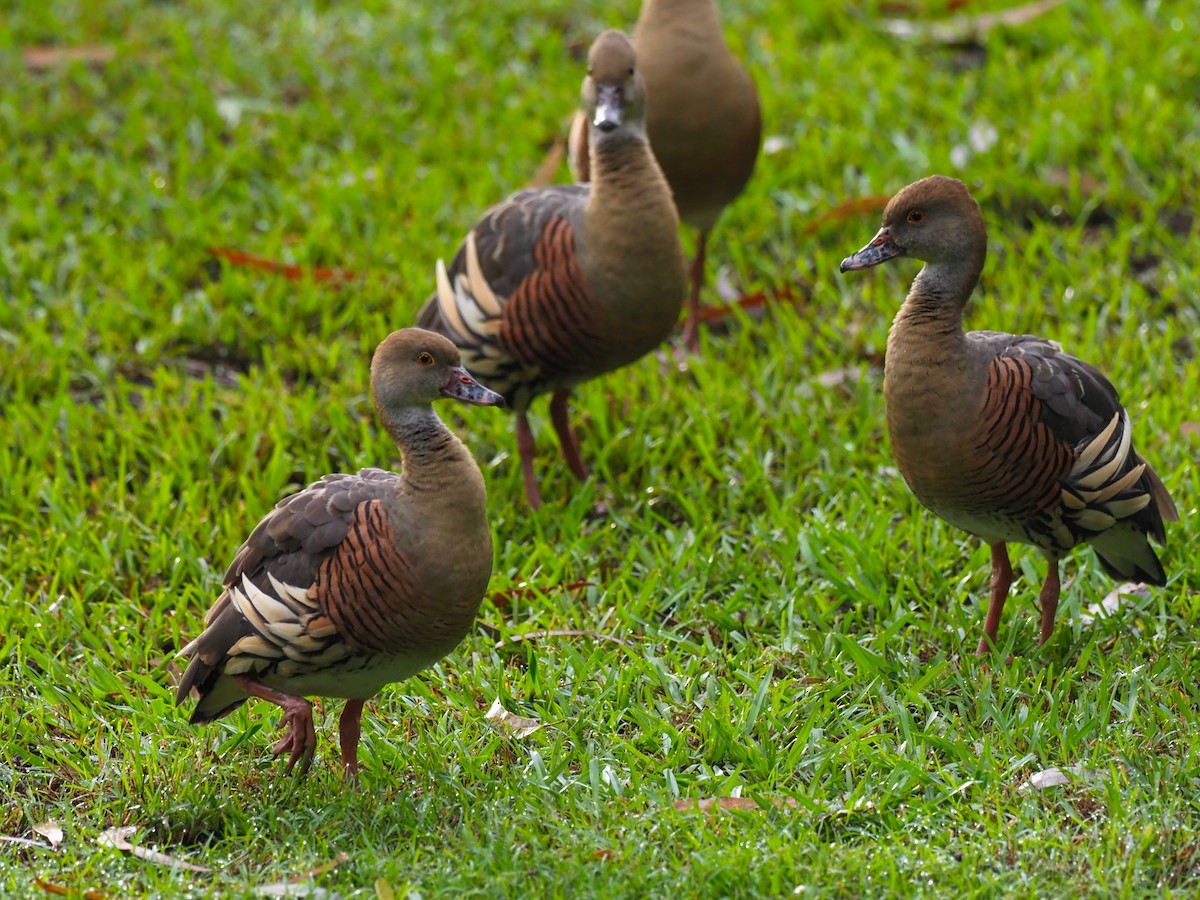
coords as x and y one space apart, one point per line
1082 409
513 299
288 545
1077 400
505 239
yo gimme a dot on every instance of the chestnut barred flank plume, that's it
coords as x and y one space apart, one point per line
541 333
558 285
703 120
357 580
1005 435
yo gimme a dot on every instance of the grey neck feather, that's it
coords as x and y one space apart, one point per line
419 434
941 289
435 463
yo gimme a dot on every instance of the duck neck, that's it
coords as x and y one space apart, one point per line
627 183
927 347
631 253
437 467
932 312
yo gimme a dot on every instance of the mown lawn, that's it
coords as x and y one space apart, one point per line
766 613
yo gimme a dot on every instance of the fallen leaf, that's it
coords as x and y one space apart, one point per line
1190 429
42 58
565 632
503 598
118 839
746 804
605 855
288 889
847 209
302 885
967 29
383 890
50 888
51 831
1064 178
1114 601
322 869
775 143
232 109
290 271
505 722
1056 777
750 302
725 285
838 377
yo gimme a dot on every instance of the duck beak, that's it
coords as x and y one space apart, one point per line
608 107
465 388
881 249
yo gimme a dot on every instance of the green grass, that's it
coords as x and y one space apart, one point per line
797 629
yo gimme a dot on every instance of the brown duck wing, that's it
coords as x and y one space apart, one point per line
1061 445
514 298
291 595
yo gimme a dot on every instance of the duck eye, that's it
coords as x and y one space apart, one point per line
916 216
425 359
631 70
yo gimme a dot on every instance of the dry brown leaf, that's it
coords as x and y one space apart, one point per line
967 29
751 302
302 885
289 271
322 869
50 888
604 855
42 58
118 839
847 209
51 831
509 723
503 598
563 632
743 803
1088 184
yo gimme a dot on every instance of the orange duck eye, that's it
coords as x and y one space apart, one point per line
425 359
916 216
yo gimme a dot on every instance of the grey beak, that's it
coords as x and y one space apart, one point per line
608 107
465 388
881 249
